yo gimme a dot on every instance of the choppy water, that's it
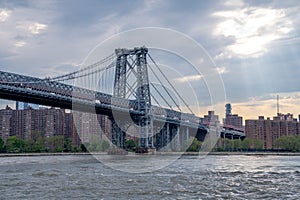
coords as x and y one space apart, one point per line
215 177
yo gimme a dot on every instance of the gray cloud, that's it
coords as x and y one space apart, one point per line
73 28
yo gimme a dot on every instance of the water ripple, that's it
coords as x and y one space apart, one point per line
215 177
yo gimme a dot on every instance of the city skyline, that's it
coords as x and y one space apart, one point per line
230 118
254 44
149 99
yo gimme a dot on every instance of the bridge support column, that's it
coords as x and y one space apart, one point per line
224 140
146 130
156 137
135 87
174 137
143 99
178 139
117 135
165 137
187 133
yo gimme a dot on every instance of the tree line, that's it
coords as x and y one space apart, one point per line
39 144
290 143
239 145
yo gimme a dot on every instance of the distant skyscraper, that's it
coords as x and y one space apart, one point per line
25 105
232 119
228 109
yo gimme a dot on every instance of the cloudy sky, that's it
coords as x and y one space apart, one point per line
254 44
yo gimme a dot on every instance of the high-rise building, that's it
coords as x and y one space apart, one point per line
24 105
5 122
268 131
228 109
232 119
48 122
87 126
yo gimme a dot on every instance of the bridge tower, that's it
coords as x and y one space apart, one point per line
131 80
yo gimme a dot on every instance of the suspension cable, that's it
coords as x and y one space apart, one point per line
111 65
155 100
162 96
164 88
108 58
170 84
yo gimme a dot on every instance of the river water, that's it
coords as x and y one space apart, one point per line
212 177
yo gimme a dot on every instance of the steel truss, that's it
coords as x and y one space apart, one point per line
131 80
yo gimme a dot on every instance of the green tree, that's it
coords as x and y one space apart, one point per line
192 144
130 145
54 143
104 145
1 145
237 144
97 144
83 147
15 145
68 145
36 143
289 143
257 144
245 144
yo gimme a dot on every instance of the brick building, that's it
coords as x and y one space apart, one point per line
268 131
79 127
233 120
5 122
211 117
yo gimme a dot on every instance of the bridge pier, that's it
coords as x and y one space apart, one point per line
171 137
174 140
185 134
146 130
162 137
166 136
117 135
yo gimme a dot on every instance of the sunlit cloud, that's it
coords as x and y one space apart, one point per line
221 70
31 27
36 28
19 44
253 29
4 15
188 78
234 3
223 55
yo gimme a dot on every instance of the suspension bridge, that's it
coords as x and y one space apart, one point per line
119 86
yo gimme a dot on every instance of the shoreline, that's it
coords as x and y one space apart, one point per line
157 153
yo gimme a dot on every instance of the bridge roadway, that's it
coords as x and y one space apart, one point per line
51 93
